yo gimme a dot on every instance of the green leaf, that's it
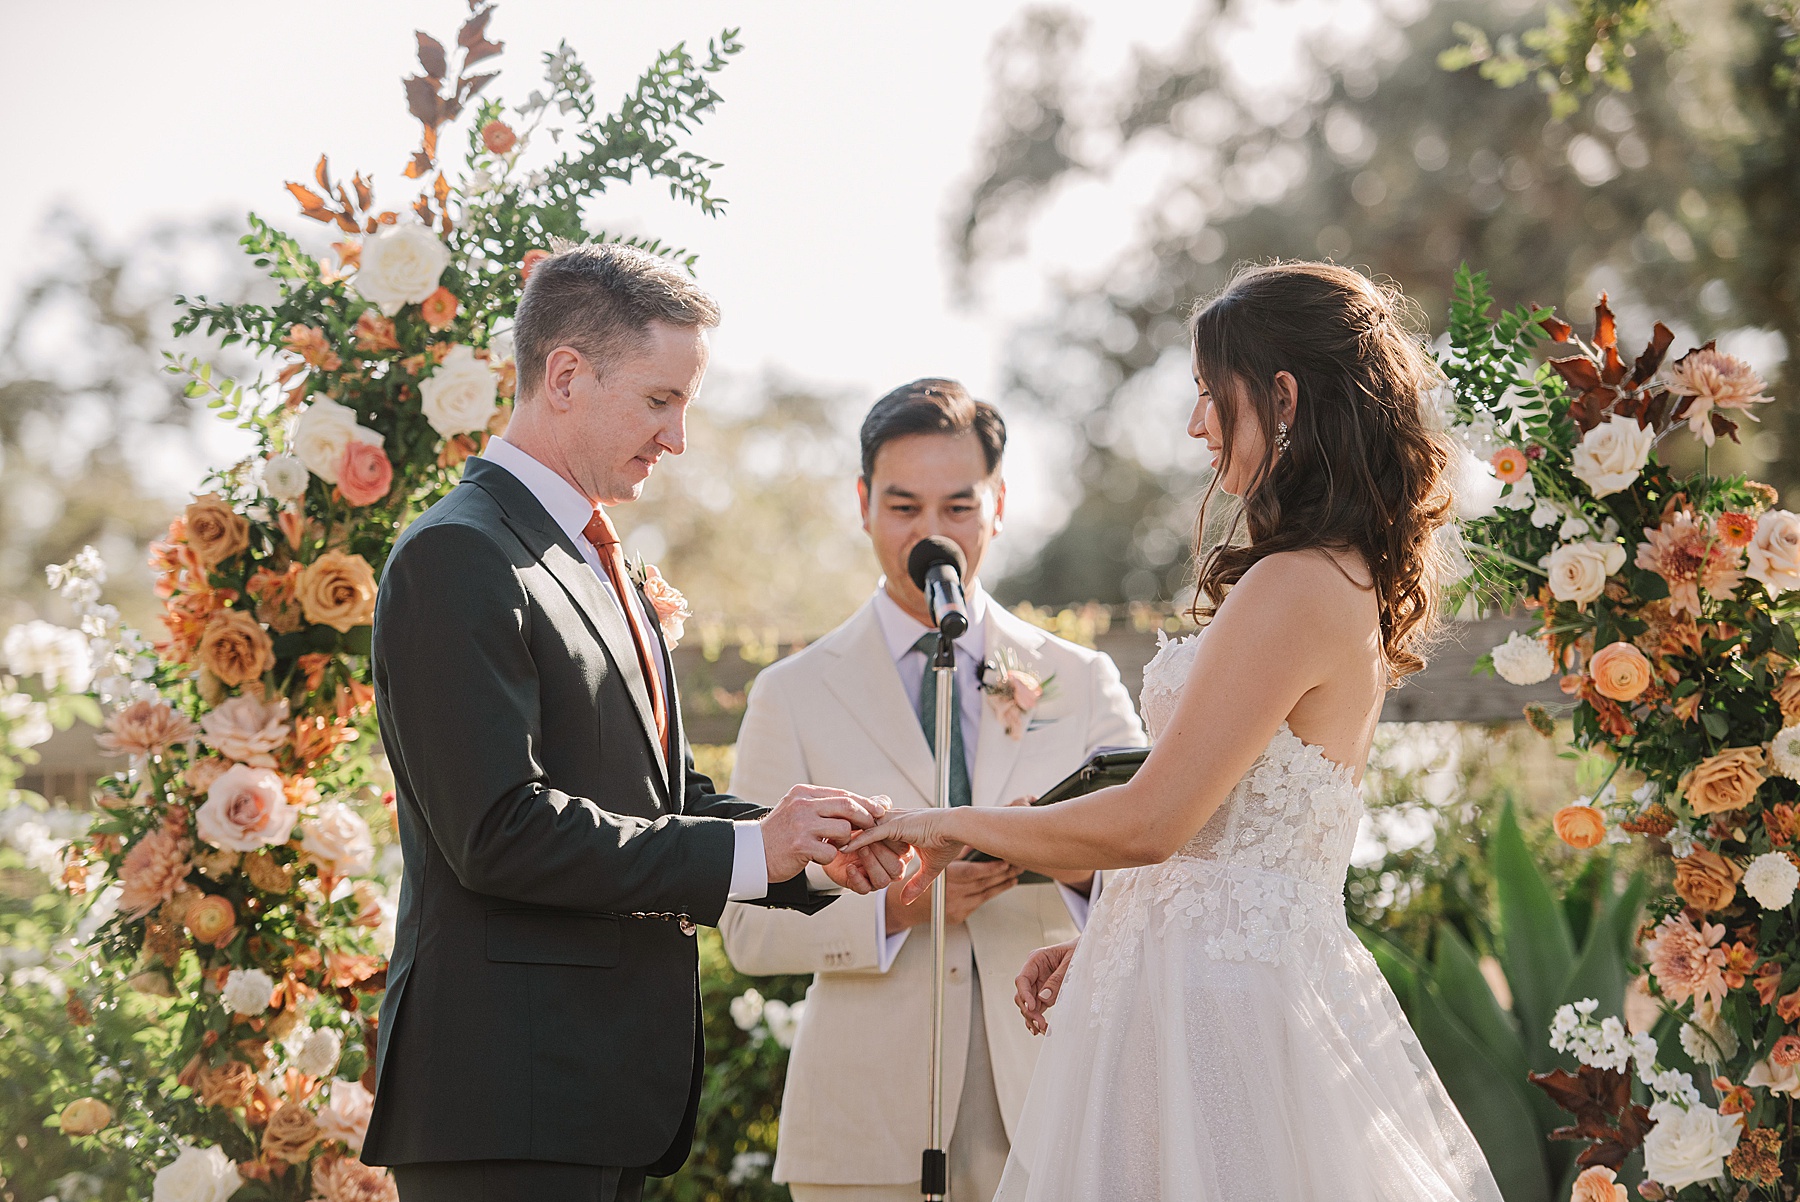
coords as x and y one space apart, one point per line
1457 975
1536 947
1715 723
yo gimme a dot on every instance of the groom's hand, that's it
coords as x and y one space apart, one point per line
808 824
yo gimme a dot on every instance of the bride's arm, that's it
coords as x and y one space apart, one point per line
1281 632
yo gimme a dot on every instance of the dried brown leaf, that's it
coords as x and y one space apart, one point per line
423 101
473 39
432 57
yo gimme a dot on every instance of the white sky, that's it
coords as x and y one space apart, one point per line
845 132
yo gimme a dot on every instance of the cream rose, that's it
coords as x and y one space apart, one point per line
197 1175
1775 552
247 729
338 590
284 477
325 430
460 395
339 840
245 809
1578 571
1612 455
1688 1146
347 1117
400 264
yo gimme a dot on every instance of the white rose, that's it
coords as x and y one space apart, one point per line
339 839
747 1009
324 430
1612 455
285 478
247 991
318 1056
1784 752
1775 552
347 1117
401 263
1688 1146
1771 879
1578 571
460 395
197 1175
60 655
1523 660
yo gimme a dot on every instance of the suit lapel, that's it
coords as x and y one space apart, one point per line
554 550
997 753
866 683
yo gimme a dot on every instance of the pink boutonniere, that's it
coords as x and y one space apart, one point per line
671 607
1011 692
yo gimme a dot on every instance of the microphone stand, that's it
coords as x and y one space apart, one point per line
934 1176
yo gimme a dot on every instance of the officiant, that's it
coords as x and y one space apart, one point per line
848 709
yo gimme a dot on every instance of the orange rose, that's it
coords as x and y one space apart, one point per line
1580 826
439 309
211 920
1597 1185
85 1116
1727 781
338 590
1706 880
1620 671
235 648
214 531
1787 696
291 1134
227 1085
498 137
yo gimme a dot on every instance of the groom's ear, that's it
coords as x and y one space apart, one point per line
999 505
862 500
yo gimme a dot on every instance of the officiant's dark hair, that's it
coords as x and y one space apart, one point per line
1362 469
932 406
600 300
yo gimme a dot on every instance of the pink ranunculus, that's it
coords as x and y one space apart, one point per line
365 475
347 1116
245 809
247 729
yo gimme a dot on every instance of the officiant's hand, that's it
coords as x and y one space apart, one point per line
1040 983
966 886
810 824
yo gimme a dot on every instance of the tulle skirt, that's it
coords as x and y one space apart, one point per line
1175 1074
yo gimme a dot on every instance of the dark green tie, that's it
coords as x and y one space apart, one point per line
959 762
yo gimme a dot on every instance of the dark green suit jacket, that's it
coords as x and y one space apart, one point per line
523 1019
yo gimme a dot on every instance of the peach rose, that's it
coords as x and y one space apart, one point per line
1620 671
153 870
1706 880
1727 781
211 920
235 648
247 729
366 475
671 607
1597 1185
347 1117
338 840
1580 826
498 137
338 590
214 531
1787 696
291 1134
245 809
227 1085
85 1116
146 727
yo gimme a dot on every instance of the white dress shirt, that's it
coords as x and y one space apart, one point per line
571 512
902 632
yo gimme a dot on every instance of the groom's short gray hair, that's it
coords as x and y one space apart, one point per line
600 299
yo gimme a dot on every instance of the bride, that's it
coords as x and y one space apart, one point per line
1221 1033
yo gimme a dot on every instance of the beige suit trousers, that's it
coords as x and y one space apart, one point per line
978 1146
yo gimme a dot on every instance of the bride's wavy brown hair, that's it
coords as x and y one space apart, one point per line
1363 470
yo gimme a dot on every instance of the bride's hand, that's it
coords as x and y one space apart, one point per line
923 831
1041 981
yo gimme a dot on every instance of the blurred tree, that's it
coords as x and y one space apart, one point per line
95 440
1680 197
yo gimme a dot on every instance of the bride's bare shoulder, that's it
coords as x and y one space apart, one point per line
1314 586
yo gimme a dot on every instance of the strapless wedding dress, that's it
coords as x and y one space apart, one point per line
1222 1036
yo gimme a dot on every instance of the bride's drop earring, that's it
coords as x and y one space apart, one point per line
1281 438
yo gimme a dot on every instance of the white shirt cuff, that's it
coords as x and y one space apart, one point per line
749 867
886 946
1080 907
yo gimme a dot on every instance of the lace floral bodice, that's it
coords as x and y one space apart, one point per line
1265 876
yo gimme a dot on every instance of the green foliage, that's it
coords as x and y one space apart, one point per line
1552 950
1588 43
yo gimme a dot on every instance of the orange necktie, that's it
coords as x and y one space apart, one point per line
599 531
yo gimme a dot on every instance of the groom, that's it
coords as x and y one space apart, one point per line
540 1036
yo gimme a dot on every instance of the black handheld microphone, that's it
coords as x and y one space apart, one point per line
937 565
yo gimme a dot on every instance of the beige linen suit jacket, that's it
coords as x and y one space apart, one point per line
855 1108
